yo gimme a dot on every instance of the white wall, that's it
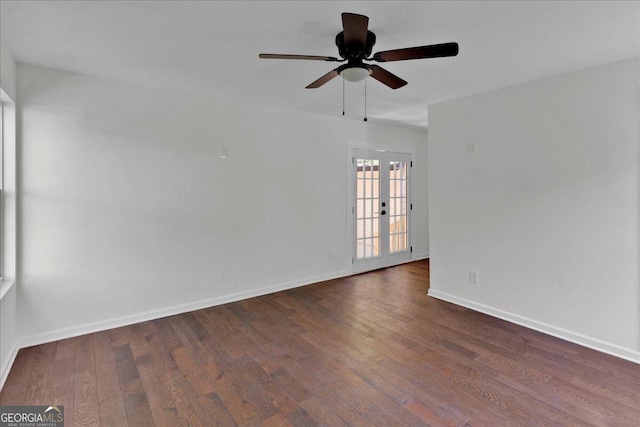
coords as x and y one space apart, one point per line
548 209
7 72
8 304
128 212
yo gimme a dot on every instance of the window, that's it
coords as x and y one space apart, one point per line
7 193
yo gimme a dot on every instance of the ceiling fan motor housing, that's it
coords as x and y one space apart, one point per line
351 53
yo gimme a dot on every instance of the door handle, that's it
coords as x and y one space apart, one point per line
383 213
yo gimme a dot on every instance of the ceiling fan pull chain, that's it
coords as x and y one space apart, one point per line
343 97
365 100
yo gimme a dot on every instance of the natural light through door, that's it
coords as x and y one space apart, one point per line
367 213
381 208
397 206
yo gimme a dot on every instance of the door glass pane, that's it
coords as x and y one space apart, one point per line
397 206
367 208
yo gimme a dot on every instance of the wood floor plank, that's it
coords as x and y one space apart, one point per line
185 412
62 391
126 369
168 335
278 420
22 366
136 335
249 381
15 388
346 412
40 379
13 394
599 407
152 376
301 418
215 411
65 348
426 415
237 407
370 349
106 375
321 412
136 408
190 341
112 412
222 331
86 407
571 413
192 372
119 336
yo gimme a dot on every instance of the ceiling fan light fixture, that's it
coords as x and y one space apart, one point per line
355 74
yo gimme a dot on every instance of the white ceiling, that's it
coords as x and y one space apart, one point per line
212 47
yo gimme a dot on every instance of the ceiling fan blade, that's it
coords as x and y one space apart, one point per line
309 57
384 76
431 51
355 29
322 80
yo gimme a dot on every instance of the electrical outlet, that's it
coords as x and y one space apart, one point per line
224 152
471 147
224 271
473 277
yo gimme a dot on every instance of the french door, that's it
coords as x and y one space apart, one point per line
381 209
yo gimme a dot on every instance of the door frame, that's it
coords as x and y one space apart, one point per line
350 204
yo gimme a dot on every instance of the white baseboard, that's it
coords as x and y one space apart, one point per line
418 257
4 374
574 337
89 328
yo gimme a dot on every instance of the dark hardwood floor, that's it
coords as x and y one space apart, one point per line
371 349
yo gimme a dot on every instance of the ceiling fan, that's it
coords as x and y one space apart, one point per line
354 47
